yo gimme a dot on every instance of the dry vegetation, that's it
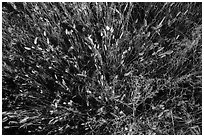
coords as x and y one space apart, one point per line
102 68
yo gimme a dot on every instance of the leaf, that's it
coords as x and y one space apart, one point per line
142 53
185 12
27 48
4 119
148 34
127 74
30 96
7 127
160 49
64 83
160 24
24 120
82 75
166 53
107 28
178 13
156 44
145 22
48 41
44 33
53 121
13 122
6 113
26 125
12 116
35 41
160 115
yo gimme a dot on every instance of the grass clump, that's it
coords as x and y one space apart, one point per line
101 68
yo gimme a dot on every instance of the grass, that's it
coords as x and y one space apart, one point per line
102 68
